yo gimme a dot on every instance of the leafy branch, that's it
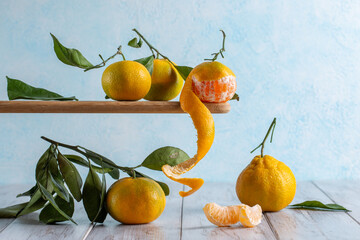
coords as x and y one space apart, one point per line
222 49
58 182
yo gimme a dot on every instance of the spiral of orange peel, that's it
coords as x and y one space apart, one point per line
204 124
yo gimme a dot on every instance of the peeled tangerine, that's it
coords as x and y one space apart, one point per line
226 216
208 82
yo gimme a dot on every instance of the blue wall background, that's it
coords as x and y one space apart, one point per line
296 60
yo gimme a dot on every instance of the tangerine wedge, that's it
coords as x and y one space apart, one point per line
229 215
204 124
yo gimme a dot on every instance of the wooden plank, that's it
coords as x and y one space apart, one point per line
29 227
307 224
8 197
102 107
167 226
196 225
343 192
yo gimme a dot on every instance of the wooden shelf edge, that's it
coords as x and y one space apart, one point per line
102 107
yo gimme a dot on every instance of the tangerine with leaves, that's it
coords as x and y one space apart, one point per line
266 181
135 200
126 80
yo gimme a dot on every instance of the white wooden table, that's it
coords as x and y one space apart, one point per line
184 218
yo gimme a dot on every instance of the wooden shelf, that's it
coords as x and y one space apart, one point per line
102 107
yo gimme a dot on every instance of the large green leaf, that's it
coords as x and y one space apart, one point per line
49 214
47 195
184 71
12 211
316 205
165 155
41 173
36 202
71 176
92 196
148 62
70 56
17 89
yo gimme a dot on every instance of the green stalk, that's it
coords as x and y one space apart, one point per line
262 144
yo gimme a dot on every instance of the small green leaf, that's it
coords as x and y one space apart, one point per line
316 205
184 71
72 57
163 156
71 176
148 62
235 97
107 97
49 214
79 160
47 195
92 193
164 186
103 161
30 192
36 202
135 43
17 89
12 211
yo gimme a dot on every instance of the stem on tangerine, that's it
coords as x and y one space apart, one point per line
220 51
262 144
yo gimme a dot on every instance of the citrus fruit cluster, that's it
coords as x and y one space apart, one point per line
130 80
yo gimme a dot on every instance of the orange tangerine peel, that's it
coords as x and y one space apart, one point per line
204 124
229 215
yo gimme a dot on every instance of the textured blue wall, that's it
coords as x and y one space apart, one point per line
296 60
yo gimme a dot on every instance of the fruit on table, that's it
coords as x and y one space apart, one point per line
213 82
126 80
210 74
226 216
166 82
266 181
135 200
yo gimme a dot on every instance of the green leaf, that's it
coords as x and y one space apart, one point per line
80 161
60 188
148 62
184 71
72 57
71 176
17 89
47 195
101 214
102 161
41 173
164 186
235 97
36 202
316 205
165 155
107 97
135 43
12 211
29 192
92 193
49 214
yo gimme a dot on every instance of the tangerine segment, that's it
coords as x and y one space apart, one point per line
229 215
204 124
